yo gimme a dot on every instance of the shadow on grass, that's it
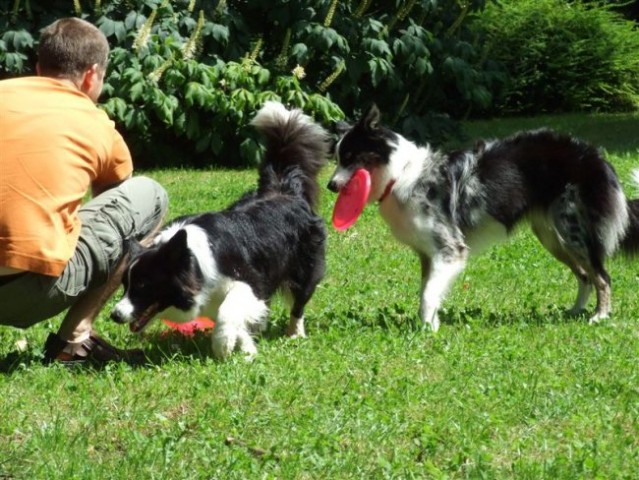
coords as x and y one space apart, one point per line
165 346
17 360
532 316
161 348
395 318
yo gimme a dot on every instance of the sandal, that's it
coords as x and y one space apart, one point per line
94 350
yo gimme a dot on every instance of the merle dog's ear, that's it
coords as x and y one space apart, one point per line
479 147
371 120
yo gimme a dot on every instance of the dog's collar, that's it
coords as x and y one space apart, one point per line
387 190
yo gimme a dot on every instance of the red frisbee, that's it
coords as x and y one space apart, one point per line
199 324
351 200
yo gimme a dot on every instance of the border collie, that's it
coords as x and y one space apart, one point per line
447 205
228 264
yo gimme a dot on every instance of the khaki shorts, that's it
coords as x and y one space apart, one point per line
132 210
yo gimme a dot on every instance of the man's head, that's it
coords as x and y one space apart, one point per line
75 50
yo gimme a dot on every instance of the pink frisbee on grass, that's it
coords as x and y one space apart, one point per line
351 200
188 329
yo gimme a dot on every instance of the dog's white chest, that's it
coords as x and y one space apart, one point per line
408 224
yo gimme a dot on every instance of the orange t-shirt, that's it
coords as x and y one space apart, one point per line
55 143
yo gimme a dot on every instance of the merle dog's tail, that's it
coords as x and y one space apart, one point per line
630 242
296 150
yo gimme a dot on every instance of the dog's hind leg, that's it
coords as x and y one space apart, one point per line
601 280
438 274
238 312
299 299
583 292
296 302
566 234
589 274
302 286
546 233
295 328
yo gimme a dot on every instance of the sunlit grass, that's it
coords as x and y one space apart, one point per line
509 388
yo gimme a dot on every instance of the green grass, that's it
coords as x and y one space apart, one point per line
509 387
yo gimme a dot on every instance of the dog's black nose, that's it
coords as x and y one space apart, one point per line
332 186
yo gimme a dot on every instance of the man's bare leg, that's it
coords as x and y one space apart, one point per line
78 322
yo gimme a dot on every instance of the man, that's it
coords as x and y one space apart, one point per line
55 146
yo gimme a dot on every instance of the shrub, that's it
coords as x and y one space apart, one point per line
186 75
562 56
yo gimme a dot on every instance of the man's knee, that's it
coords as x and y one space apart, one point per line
149 202
144 191
133 210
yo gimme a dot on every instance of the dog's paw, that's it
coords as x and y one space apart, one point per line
223 342
246 345
295 329
576 312
250 356
296 335
221 351
431 325
597 318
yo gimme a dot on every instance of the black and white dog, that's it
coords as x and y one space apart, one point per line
447 205
227 265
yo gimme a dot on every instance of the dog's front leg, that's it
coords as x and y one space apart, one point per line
438 274
239 312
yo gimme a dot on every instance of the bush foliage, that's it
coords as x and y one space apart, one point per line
186 75
563 56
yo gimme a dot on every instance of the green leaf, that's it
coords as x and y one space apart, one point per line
107 26
423 66
194 94
136 92
203 142
120 31
378 48
116 108
15 61
179 122
133 75
299 52
216 143
219 32
131 20
249 151
263 76
192 126
22 40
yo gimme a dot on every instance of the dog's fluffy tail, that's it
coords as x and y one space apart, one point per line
630 242
296 150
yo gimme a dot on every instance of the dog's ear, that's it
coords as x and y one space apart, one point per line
479 147
337 132
133 248
176 249
341 127
371 120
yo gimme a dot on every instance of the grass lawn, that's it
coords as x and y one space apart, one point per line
509 388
